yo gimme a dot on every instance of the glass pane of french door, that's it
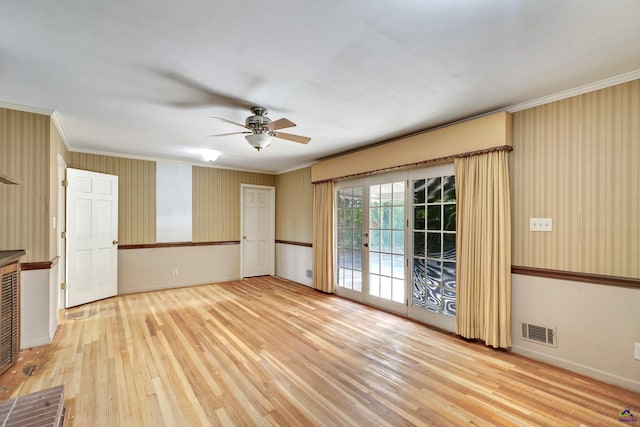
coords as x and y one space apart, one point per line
432 242
386 241
349 238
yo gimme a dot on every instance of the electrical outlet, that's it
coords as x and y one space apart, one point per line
174 272
637 352
540 224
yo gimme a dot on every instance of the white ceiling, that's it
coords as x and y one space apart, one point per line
141 78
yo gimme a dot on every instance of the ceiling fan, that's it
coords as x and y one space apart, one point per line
261 129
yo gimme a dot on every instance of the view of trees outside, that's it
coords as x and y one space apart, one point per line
349 238
434 245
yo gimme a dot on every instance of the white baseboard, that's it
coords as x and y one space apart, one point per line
294 281
34 342
53 328
174 285
580 369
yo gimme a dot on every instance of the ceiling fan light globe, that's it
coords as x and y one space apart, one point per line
259 140
210 155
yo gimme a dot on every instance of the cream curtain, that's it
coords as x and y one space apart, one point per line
323 236
484 248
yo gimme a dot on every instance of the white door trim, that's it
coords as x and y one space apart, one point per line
272 224
61 227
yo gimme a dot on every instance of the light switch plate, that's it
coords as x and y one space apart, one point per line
637 352
540 224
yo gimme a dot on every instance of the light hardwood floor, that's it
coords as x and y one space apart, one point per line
266 351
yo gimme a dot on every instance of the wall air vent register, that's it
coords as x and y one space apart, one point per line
539 334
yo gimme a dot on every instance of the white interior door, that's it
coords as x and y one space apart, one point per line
92 236
257 246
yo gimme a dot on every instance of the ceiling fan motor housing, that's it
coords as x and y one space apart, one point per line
258 121
262 129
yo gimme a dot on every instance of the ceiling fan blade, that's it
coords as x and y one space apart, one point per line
291 137
230 121
231 133
280 124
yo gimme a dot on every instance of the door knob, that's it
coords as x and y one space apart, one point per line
115 242
366 245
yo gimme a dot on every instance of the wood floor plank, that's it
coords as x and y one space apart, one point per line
265 351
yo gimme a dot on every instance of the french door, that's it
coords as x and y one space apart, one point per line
432 253
395 243
370 243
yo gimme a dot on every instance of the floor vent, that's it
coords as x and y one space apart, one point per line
42 408
539 334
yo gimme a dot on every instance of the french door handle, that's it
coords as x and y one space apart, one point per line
366 245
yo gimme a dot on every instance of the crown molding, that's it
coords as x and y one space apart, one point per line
295 168
55 118
26 108
132 156
580 90
165 160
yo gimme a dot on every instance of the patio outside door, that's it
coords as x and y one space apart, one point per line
370 242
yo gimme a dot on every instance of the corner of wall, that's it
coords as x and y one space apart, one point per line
293 262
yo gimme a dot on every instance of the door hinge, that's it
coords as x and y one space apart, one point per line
63 234
65 183
63 286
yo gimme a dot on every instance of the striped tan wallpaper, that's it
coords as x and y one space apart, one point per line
24 209
577 161
216 202
294 206
137 193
